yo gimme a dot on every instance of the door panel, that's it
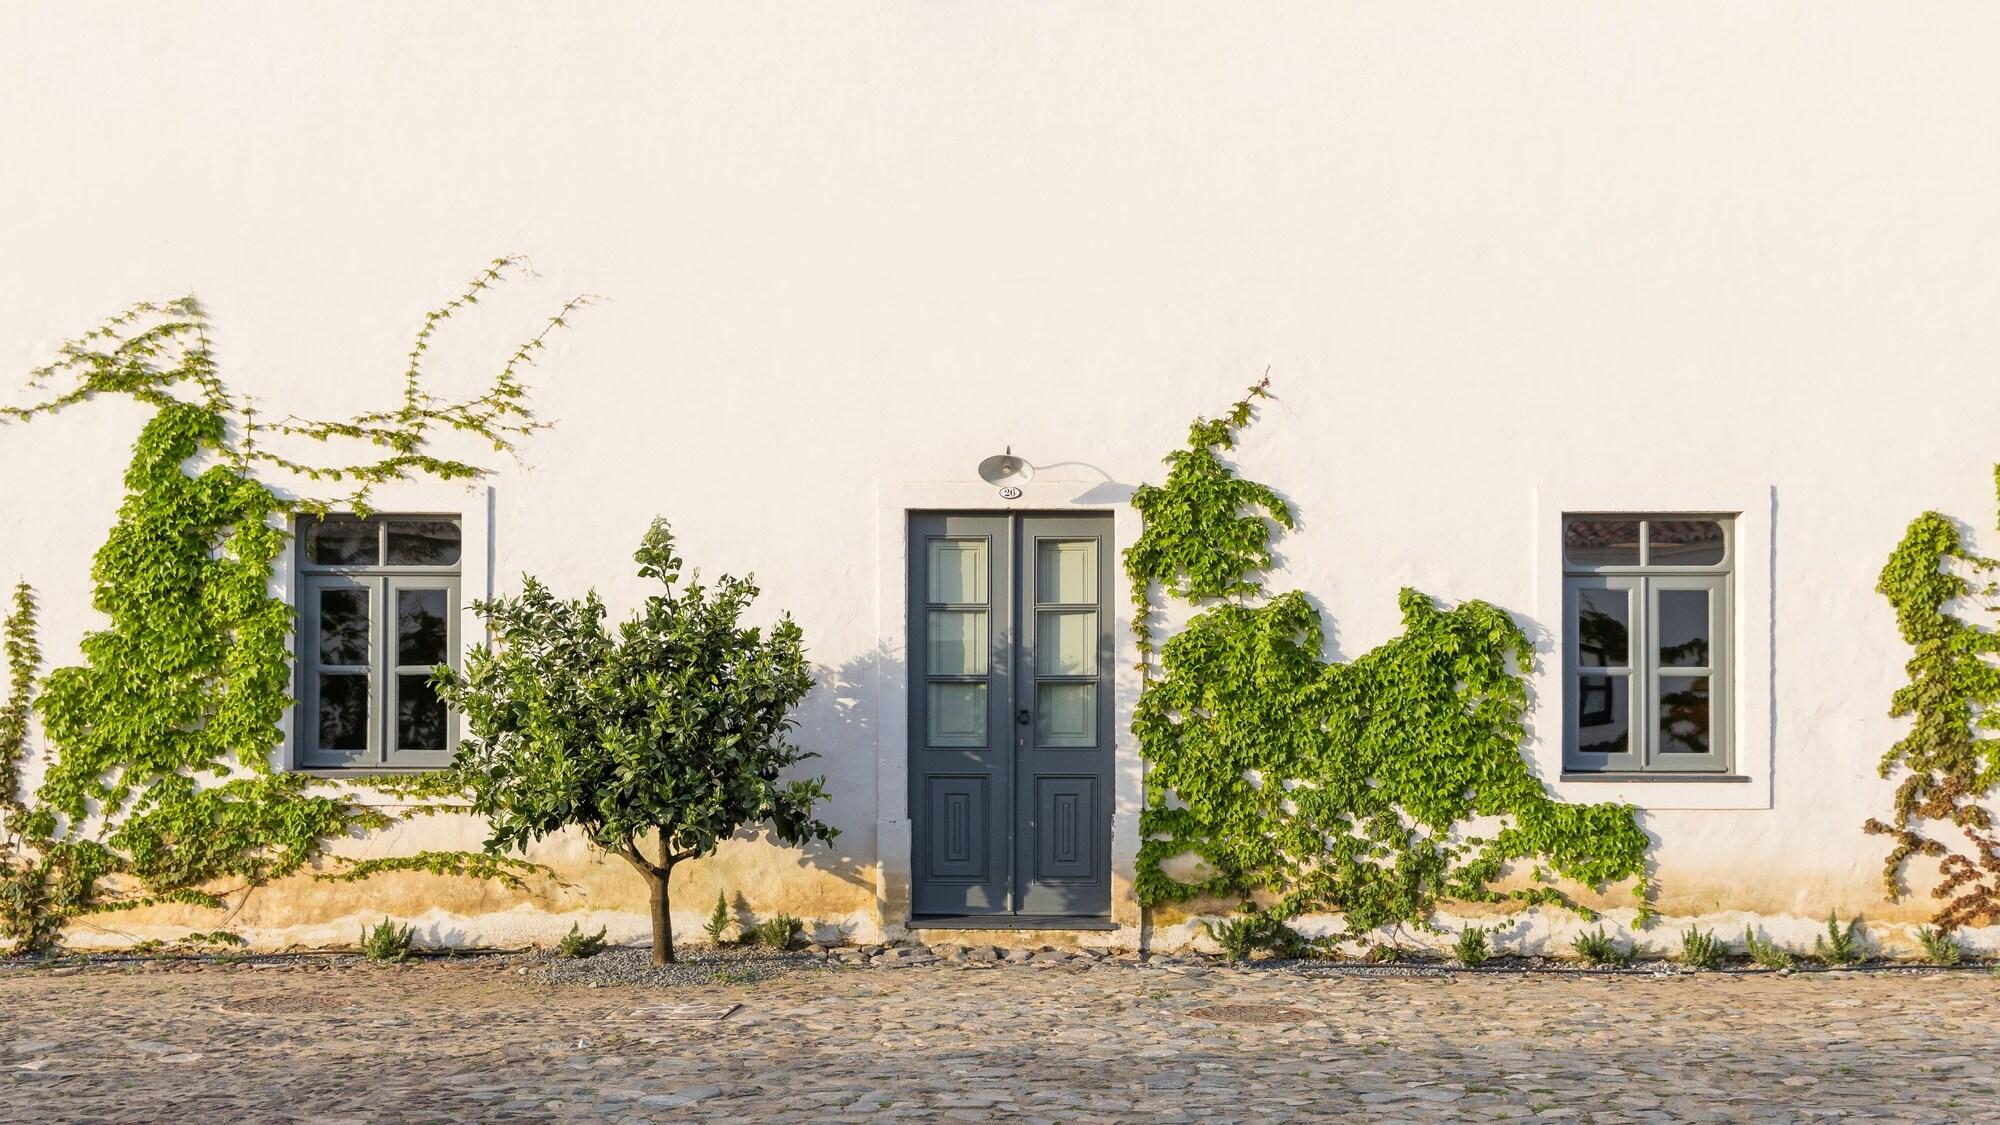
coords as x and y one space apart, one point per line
1010 713
961 725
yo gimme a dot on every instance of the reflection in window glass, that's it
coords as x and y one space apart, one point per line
343 711
1603 628
1066 572
958 571
342 542
1603 714
420 716
1594 542
957 642
1682 629
1684 714
1066 715
1066 642
421 627
1672 542
423 542
343 627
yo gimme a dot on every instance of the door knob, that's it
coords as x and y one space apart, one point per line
1021 716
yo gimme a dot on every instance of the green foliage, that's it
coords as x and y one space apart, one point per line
1950 758
1253 930
1701 950
1471 948
577 945
1383 953
1595 947
672 727
1841 945
388 942
718 920
778 932
1337 786
1201 537
1766 954
162 741
1940 948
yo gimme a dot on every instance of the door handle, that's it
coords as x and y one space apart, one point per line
1021 716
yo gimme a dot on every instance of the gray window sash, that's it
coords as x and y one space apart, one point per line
1716 760
1624 688
311 753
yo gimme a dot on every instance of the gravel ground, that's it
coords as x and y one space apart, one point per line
623 965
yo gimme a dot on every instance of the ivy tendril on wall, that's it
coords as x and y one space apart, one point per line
1950 759
1300 786
161 785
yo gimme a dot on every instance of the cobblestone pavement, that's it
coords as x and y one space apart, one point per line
1054 1038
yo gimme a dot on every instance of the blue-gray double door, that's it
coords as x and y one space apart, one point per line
1010 714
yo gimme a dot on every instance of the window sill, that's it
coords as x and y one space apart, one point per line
1589 775
357 773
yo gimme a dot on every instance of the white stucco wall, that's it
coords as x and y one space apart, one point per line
1495 257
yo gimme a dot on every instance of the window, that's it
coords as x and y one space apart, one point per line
1646 626
378 610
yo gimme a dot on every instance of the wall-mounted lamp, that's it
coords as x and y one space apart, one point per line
1007 471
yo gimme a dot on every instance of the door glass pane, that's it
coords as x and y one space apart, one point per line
1684 725
343 626
1683 628
1603 628
423 542
1603 714
1066 572
957 715
419 714
343 711
1066 714
1683 542
958 571
1589 542
342 542
957 642
1066 642
421 627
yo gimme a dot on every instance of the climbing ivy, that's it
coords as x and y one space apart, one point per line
1335 787
1950 758
161 785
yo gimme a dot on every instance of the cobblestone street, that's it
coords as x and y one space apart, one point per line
1055 1040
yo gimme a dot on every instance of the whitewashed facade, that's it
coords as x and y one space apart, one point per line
1502 263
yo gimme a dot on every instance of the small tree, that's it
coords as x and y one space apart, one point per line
670 733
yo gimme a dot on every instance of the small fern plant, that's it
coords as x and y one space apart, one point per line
1701 950
1595 947
1255 929
1471 948
387 942
779 932
1940 948
576 945
718 920
1766 954
1841 945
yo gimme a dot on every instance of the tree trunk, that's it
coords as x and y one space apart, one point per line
656 876
663 921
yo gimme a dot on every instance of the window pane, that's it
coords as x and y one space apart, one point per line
1603 714
1589 542
1066 714
343 626
1603 628
1683 542
957 642
1684 726
342 542
1066 642
958 571
343 711
423 543
419 714
1683 628
421 627
1066 572
957 715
